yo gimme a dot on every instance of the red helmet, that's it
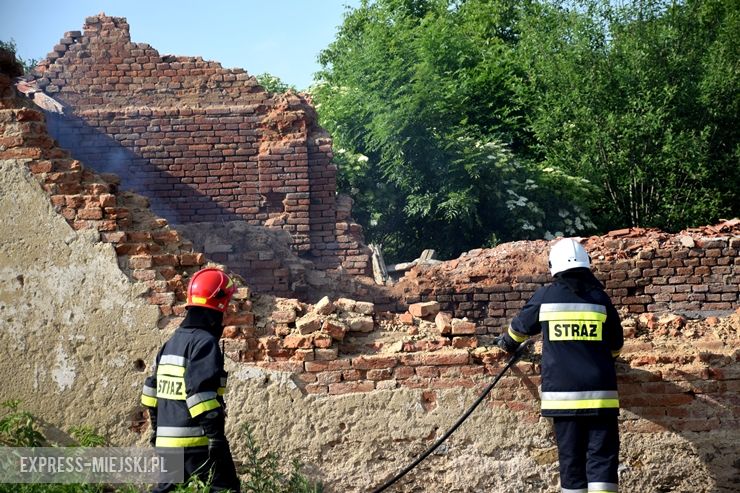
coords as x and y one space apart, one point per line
210 288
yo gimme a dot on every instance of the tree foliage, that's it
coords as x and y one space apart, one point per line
461 123
273 83
10 46
420 94
642 99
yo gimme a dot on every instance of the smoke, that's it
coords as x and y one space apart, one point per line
104 154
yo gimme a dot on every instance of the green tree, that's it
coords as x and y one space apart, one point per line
11 47
642 99
273 83
420 95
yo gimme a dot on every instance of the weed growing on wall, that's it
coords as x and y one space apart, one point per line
264 472
18 428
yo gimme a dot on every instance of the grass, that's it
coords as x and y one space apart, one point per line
264 471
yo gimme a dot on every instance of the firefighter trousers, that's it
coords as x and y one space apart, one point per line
588 451
221 470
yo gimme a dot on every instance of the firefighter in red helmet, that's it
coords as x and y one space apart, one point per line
184 395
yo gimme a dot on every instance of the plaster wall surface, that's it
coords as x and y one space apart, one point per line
355 442
74 331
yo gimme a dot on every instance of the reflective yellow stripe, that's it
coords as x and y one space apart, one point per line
517 336
616 352
581 404
204 406
148 401
221 390
181 441
172 370
547 316
198 299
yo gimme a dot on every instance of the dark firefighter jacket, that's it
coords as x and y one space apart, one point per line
184 395
582 335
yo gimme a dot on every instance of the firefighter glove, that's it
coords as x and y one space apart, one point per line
153 423
507 344
213 424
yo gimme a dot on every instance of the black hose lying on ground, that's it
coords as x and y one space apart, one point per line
514 358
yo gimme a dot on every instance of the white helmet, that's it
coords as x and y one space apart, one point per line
568 254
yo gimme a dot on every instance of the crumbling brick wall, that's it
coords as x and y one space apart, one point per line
642 270
203 143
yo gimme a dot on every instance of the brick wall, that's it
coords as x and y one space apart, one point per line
203 143
682 274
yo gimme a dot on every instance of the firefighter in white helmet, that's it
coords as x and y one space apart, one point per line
582 336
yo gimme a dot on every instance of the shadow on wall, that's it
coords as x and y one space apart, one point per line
169 196
701 409
265 256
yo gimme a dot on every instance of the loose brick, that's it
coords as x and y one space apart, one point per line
335 329
425 309
361 324
462 327
322 340
241 318
324 306
308 324
297 341
464 342
443 321
364 307
286 316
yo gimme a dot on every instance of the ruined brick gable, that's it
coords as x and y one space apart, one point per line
203 143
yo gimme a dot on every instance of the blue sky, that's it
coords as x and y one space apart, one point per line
282 38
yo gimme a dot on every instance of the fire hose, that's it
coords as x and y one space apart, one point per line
514 358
